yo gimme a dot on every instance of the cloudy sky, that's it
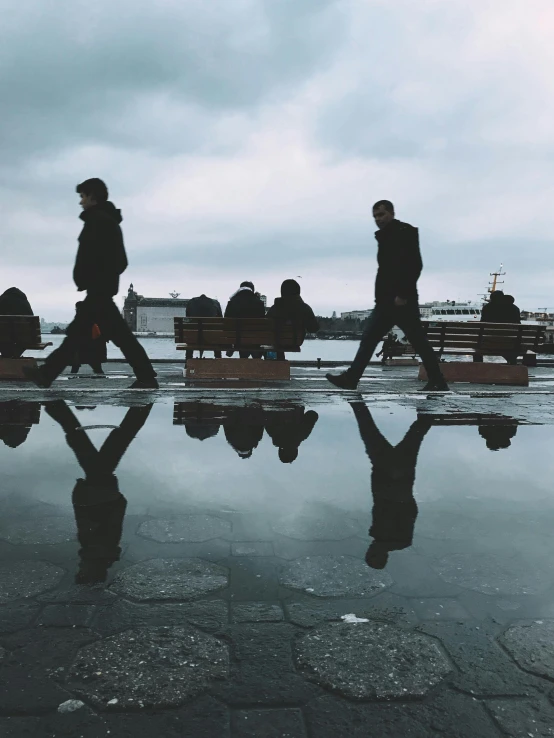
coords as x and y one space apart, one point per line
248 139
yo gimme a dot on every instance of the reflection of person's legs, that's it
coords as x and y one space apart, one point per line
409 321
114 327
376 445
381 321
408 448
117 443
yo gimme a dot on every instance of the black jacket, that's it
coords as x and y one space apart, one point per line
294 308
203 307
14 302
101 256
400 264
500 310
245 304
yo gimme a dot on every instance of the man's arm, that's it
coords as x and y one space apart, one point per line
409 263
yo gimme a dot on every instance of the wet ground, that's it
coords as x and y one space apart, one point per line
288 561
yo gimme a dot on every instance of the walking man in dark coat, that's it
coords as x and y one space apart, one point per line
101 259
396 300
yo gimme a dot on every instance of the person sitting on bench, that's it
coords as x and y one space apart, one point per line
13 302
203 307
290 306
245 304
500 308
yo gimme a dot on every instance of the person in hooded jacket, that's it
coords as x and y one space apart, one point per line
291 307
203 307
13 302
500 308
245 304
101 259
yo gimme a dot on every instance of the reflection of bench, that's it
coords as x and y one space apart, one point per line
480 419
237 334
18 333
485 339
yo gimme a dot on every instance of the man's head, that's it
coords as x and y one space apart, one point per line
93 192
497 296
248 285
383 213
290 288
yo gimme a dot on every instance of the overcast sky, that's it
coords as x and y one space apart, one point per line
248 139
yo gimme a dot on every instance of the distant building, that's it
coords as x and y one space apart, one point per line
356 315
152 314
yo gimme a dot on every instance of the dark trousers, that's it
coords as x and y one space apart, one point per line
102 311
382 319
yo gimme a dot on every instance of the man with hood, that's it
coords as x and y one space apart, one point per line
500 308
13 302
291 307
245 304
101 259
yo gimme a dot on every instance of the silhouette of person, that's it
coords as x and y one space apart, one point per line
497 436
202 420
244 429
98 504
288 428
16 420
392 481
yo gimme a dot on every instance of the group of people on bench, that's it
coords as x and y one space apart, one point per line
247 303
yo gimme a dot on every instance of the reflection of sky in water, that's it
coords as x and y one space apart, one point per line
468 497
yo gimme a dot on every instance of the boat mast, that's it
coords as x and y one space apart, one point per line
494 283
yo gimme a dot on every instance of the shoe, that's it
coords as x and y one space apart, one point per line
436 386
36 375
342 381
145 384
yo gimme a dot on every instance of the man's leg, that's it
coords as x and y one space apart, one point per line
409 321
114 327
217 354
189 354
56 362
478 358
380 322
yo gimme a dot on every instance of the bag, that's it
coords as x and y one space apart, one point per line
95 332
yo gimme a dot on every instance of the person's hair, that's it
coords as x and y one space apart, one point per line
387 204
510 298
290 288
287 454
497 295
247 284
93 187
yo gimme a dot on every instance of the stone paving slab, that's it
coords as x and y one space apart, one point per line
26 579
372 660
334 576
283 723
531 646
147 667
185 529
170 579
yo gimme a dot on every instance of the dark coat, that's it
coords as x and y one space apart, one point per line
399 260
245 304
294 308
15 302
101 256
203 307
500 309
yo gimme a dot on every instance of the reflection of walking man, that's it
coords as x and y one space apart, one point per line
396 300
98 504
101 259
392 483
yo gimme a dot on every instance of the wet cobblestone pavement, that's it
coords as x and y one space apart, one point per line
212 563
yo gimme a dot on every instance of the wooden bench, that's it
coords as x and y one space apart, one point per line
484 339
237 334
21 333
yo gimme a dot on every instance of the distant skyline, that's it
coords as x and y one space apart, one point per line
248 139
